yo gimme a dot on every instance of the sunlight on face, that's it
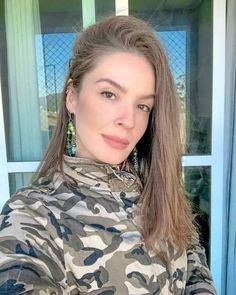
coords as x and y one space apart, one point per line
113 106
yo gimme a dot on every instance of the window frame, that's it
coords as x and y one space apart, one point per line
215 161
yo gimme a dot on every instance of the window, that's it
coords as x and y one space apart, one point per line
36 44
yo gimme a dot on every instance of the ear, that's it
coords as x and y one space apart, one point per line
70 97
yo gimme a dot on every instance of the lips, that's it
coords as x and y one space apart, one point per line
116 142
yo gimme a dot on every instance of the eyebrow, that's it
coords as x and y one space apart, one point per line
113 83
121 88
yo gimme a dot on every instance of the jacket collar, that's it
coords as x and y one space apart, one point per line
91 172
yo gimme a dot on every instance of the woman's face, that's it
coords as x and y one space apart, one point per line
113 106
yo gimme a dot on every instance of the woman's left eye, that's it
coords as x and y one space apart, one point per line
144 108
108 94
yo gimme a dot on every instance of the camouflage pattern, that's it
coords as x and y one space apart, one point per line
78 234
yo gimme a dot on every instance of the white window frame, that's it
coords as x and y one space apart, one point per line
215 161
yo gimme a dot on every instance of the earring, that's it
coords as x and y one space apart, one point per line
135 159
70 137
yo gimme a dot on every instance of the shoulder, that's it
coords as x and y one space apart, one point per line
54 194
32 196
29 211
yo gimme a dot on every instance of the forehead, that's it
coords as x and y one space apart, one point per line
125 68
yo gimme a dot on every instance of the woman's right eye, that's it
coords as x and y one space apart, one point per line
109 95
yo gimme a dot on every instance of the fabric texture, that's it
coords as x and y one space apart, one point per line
78 234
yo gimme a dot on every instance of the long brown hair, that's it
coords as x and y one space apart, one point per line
164 210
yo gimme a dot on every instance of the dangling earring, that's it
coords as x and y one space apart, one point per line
70 137
135 159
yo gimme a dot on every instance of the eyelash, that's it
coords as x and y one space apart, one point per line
108 95
144 108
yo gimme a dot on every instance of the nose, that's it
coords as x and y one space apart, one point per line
125 117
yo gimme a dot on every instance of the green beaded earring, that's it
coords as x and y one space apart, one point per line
135 159
71 137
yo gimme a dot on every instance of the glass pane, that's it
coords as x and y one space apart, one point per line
18 180
36 33
37 38
104 8
198 186
185 27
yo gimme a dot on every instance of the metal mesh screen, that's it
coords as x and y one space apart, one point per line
175 44
53 52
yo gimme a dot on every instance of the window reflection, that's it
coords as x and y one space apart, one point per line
18 180
197 184
185 27
53 52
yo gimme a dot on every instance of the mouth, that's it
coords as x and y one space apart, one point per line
116 142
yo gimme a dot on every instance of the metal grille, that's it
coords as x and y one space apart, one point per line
175 44
53 52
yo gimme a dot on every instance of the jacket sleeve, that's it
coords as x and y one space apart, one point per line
31 251
199 279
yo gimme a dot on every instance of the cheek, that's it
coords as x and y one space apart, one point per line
89 117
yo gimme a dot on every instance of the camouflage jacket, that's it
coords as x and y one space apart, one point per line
78 234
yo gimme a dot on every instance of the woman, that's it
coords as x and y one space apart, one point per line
107 212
